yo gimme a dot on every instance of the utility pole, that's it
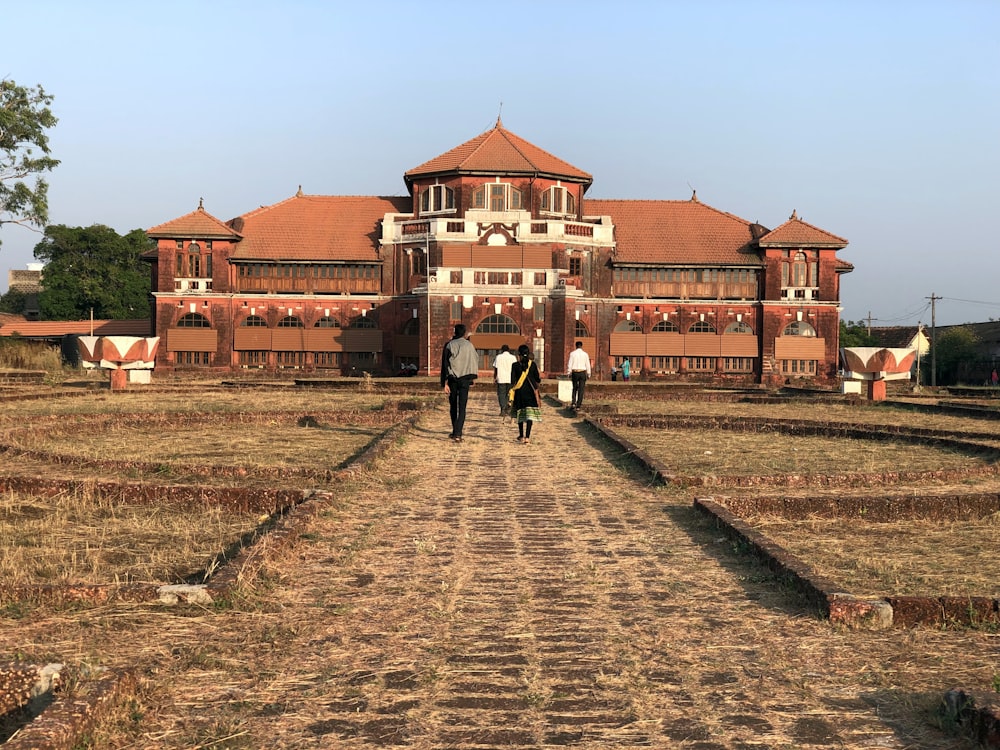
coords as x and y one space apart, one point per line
869 319
933 299
920 338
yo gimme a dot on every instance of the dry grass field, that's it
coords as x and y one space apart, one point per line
490 596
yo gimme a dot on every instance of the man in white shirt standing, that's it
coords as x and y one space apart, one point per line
578 368
501 376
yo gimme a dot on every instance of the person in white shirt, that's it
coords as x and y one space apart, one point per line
501 376
578 368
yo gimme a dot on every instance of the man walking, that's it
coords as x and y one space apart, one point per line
578 368
459 367
501 376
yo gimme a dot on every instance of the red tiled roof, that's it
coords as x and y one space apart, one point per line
198 224
51 328
894 337
498 151
316 227
677 232
797 233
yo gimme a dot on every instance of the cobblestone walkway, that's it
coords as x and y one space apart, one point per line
492 594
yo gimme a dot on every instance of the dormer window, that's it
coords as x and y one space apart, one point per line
558 200
437 198
497 196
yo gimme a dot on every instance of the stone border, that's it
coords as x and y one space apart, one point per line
281 507
59 725
838 606
936 438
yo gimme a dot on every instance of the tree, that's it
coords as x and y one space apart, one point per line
24 117
855 334
93 269
956 354
13 301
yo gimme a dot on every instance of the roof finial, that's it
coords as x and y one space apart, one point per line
794 216
299 194
499 111
694 195
201 204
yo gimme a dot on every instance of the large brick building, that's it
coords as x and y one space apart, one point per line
498 234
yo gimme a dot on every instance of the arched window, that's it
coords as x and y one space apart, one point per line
628 326
497 196
800 270
327 322
290 321
665 326
580 330
738 327
411 327
193 320
702 326
437 198
364 322
254 321
498 324
799 328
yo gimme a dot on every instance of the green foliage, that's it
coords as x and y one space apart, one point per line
24 118
93 268
13 301
855 334
956 351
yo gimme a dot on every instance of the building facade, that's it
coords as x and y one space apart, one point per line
498 234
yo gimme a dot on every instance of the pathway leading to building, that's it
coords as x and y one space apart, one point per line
491 594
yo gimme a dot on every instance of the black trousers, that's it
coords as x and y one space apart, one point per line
579 384
458 399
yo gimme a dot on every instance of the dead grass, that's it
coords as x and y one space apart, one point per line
906 558
86 539
728 453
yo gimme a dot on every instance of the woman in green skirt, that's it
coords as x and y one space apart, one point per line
525 400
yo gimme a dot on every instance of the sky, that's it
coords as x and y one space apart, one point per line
878 121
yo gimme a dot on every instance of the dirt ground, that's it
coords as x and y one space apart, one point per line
492 594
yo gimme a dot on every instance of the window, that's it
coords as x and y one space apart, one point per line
249 359
580 330
254 321
702 326
193 359
411 327
498 324
327 359
799 271
539 312
364 322
628 326
456 312
798 366
738 364
193 320
327 322
497 196
799 328
701 364
738 327
290 321
665 326
437 198
575 266
290 359
558 200
456 277
664 364
539 278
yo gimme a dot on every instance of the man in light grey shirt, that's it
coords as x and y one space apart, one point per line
459 368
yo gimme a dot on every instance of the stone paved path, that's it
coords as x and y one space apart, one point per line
492 594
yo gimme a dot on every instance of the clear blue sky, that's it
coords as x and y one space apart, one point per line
877 121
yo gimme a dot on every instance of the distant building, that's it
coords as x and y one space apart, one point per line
498 234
